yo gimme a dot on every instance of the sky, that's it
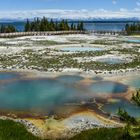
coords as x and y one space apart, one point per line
69 8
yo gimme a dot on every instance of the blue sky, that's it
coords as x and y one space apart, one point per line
69 8
68 4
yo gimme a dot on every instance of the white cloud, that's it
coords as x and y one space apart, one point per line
114 2
136 9
123 10
138 3
71 14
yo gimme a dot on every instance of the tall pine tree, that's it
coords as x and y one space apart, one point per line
27 26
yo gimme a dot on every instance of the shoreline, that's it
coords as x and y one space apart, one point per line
84 74
67 127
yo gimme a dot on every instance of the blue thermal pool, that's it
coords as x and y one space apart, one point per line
134 82
45 95
111 60
8 75
134 41
69 79
131 108
35 95
80 49
109 87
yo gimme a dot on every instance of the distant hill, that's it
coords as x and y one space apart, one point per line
134 19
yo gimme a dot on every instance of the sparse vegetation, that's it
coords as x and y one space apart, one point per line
136 98
127 133
45 60
124 116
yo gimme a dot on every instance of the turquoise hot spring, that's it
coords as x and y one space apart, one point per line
45 95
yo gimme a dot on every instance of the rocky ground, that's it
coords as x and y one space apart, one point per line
44 53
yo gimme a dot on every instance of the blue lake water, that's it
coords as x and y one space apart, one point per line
81 49
104 26
19 25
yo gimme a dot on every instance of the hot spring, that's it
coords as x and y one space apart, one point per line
80 49
45 95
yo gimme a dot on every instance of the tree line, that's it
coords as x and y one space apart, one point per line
132 28
50 25
7 29
44 25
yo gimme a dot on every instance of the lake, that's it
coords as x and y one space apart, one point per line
97 26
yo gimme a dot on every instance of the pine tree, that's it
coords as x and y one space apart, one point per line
62 25
52 25
81 26
37 24
135 27
2 28
56 26
66 25
45 25
78 26
27 26
72 26
7 29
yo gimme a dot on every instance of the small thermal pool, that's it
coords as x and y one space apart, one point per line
80 49
134 41
111 60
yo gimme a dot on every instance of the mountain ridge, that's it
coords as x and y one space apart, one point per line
134 19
